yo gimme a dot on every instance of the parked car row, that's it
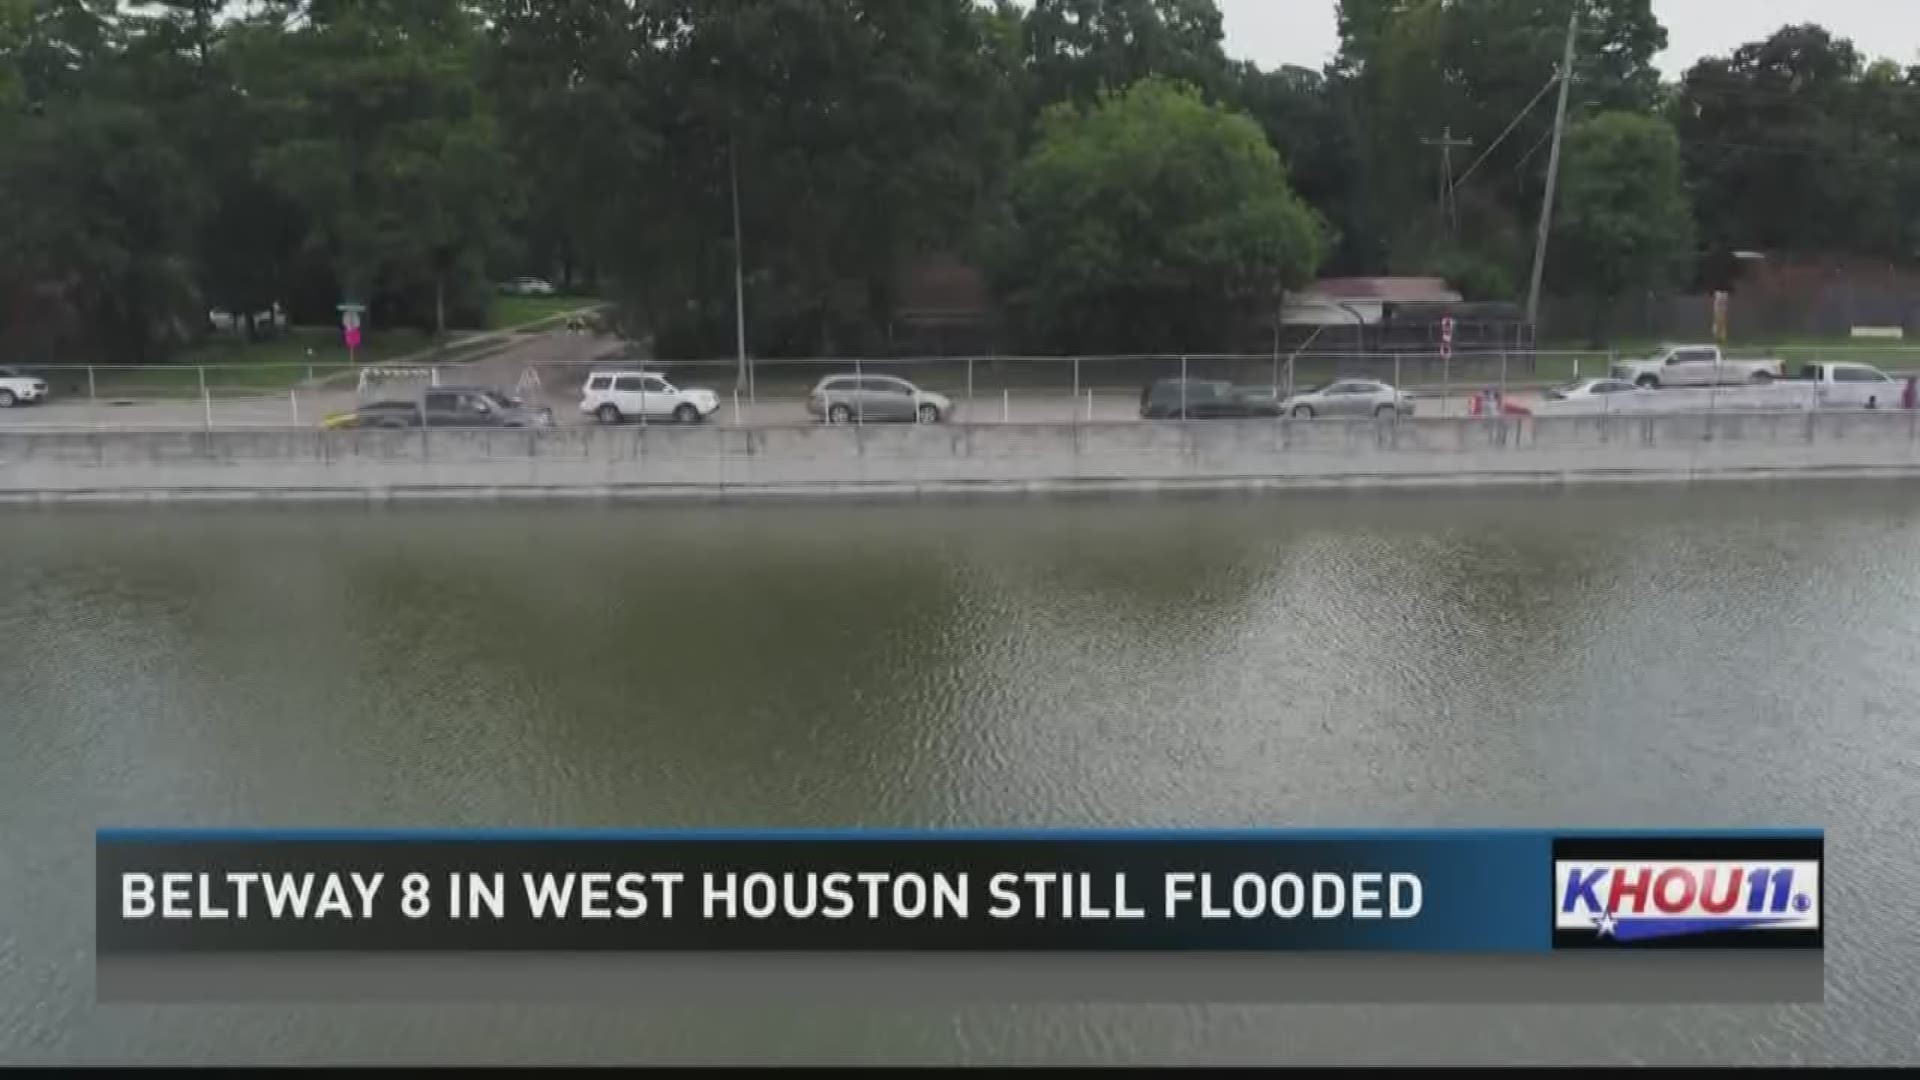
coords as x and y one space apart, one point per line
619 396
613 397
1819 385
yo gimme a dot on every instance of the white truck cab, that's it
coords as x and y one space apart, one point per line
1847 384
1694 365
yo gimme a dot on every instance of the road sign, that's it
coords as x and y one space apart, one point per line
1446 330
353 337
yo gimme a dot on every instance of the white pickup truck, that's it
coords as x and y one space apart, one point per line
1846 385
1694 365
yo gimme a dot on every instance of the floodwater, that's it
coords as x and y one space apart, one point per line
1721 656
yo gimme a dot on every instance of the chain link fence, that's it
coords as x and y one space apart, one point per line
982 389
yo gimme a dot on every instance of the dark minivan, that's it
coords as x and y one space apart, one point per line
1205 399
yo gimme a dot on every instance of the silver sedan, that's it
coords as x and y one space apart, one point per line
1349 397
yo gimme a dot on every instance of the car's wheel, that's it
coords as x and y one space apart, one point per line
1760 377
686 414
839 414
608 413
1383 412
7 400
1647 382
1303 412
1873 403
929 414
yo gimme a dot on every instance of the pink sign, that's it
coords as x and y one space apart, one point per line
353 337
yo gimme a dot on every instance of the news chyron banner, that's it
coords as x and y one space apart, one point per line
1557 895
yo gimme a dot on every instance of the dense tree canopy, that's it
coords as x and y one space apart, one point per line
1105 157
1148 221
1624 223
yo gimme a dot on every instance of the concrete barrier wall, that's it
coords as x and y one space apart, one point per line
665 460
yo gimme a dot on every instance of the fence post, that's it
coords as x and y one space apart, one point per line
91 395
206 399
1006 405
1446 383
202 369
1183 389
1396 372
293 401
1076 376
736 408
1290 380
1503 376
969 380
1089 406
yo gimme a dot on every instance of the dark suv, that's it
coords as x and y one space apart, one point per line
1205 399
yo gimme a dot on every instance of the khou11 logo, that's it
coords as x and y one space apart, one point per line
1646 900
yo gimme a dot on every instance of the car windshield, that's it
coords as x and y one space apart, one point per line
499 400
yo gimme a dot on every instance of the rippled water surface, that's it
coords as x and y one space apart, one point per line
1726 656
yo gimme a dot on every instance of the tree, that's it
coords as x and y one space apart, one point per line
97 211
1790 145
1410 70
1151 221
859 132
373 125
1301 113
1624 223
1079 49
568 78
97 201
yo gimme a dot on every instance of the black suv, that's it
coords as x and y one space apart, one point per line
1205 399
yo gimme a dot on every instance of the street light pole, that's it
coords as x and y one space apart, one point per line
739 274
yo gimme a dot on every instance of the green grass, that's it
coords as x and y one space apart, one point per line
512 312
233 363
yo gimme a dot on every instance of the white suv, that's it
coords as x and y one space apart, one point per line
613 396
19 388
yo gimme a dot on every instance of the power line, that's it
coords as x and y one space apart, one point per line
1511 124
1528 156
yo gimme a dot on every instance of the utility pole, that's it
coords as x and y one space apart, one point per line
739 274
1449 209
1553 175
